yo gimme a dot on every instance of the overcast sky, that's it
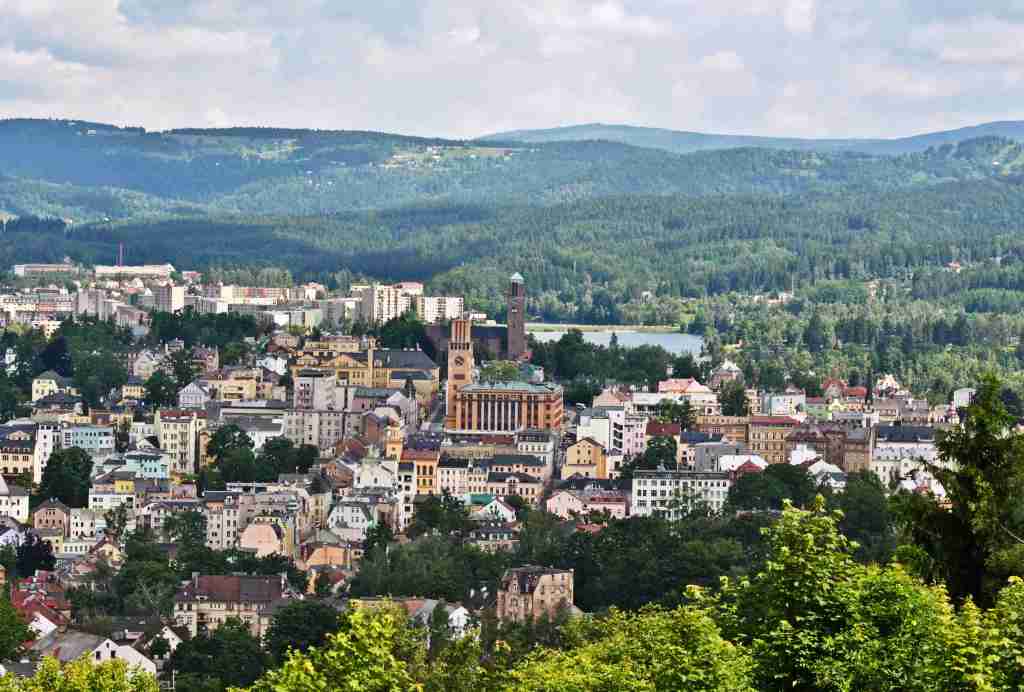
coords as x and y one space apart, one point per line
460 68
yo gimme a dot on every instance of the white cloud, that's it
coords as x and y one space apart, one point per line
723 61
463 67
799 16
980 41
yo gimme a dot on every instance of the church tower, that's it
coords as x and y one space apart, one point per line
460 364
516 317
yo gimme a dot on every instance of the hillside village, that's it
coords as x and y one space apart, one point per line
296 450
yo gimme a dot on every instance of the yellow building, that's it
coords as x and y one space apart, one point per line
767 437
375 368
17 451
179 432
588 458
49 383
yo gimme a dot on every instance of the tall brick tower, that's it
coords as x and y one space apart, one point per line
516 317
460 365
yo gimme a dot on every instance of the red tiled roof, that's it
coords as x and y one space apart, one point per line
655 429
773 420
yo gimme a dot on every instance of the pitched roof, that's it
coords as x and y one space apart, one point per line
231 589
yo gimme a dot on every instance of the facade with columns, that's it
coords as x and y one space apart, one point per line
506 407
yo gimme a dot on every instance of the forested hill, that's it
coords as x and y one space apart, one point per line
595 224
91 172
687 142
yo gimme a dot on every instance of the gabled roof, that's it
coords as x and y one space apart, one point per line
51 375
231 589
53 503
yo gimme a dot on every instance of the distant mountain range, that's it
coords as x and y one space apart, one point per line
592 215
682 142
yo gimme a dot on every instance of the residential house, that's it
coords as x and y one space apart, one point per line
13 502
205 602
526 593
726 372
49 382
492 536
52 514
586 457
569 504
522 485
70 645
194 395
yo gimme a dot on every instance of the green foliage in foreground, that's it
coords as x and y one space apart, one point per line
81 676
812 619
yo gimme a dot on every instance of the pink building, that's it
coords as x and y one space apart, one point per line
566 503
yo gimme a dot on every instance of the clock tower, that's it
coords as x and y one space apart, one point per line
460 364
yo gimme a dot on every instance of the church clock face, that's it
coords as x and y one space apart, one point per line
460 361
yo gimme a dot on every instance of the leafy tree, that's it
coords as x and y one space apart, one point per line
227 439
977 540
443 513
371 652
733 397
187 529
299 626
867 517
240 465
229 656
81 675
500 371
654 649
34 554
685 366
14 631
117 522
96 374
182 367
322 586
770 488
66 477
380 534
9 561
281 455
161 390
681 413
661 452
235 353
815 620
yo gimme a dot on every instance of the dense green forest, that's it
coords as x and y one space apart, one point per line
606 232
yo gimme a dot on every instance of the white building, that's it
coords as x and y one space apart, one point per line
96 440
13 502
673 493
438 309
621 434
169 298
962 398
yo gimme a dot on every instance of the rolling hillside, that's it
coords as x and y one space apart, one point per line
687 142
594 223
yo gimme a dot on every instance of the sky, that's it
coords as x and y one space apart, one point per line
457 68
